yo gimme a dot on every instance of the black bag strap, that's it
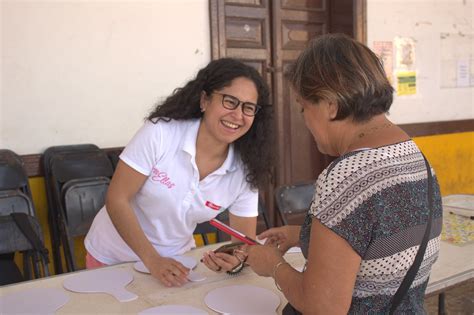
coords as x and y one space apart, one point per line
410 276
24 224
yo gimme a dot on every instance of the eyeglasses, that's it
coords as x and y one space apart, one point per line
232 102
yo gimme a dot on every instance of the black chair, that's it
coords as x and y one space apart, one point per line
20 230
114 157
293 201
77 178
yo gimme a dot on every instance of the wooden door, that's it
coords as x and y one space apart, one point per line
269 35
295 22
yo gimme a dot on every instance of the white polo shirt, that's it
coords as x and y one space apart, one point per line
172 200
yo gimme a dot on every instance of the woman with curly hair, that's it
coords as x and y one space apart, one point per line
205 149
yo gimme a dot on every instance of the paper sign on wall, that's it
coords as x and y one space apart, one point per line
406 83
405 53
463 73
405 67
384 50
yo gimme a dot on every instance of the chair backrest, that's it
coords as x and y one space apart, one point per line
82 199
114 157
16 198
293 201
77 178
12 173
15 193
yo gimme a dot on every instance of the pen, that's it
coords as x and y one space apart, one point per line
464 212
463 215
227 229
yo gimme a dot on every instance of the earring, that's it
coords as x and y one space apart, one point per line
202 110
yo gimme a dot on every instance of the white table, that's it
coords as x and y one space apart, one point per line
455 265
456 262
150 292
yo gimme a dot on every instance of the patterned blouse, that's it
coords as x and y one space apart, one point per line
377 200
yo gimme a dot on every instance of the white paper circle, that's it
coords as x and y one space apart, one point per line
33 301
188 262
242 299
111 281
196 276
173 309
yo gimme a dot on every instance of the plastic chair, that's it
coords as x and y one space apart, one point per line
16 211
293 201
77 178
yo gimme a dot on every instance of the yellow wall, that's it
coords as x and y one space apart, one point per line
451 155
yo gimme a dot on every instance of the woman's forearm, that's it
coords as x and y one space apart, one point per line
290 281
127 225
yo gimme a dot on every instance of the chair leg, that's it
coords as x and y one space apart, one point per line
68 247
26 265
45 266
55 242
35 263
205 240
441 304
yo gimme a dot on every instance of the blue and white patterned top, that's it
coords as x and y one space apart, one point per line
377 200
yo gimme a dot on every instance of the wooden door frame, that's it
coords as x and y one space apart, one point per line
360 20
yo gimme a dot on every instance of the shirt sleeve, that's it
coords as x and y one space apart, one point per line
246 204
144 149
340 206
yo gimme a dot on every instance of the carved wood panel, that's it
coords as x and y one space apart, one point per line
241 29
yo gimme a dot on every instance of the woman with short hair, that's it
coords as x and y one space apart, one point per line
370 208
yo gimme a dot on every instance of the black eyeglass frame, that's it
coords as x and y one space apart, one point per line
238 102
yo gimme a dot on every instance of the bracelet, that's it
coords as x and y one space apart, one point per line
236 269
275 269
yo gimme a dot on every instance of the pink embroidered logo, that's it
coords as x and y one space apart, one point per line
213 206
162 178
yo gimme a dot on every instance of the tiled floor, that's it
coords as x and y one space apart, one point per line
459 301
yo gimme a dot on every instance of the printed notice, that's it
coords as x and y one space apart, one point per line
404 53
463 73
406 83
384 50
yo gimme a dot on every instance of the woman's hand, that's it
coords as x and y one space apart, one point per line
220 261
169 271
262 259
283 237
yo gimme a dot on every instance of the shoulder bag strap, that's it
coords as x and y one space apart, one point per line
410 276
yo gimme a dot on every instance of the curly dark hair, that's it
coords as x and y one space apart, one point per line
337 68
255 147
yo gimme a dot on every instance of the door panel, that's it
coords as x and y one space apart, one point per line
241 29
294 24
